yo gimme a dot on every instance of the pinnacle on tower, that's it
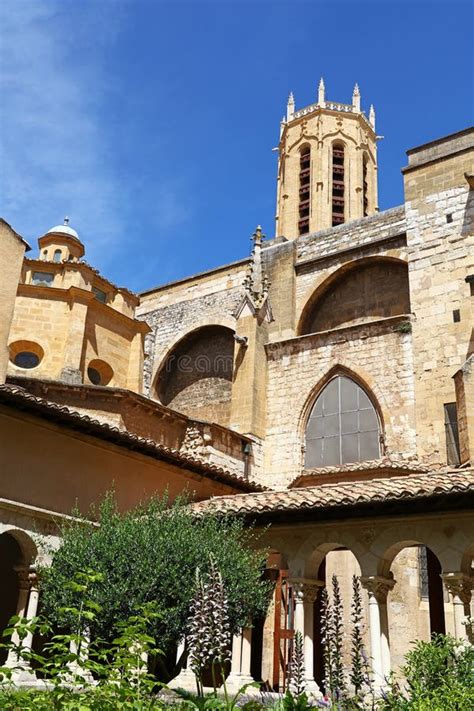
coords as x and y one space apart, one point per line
321 92
372 116
356 98
290 107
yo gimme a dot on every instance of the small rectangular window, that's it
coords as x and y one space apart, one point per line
423 572
99 294
449 217
42 278
452 434
456 315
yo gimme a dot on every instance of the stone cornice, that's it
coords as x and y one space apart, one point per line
74 294
276 349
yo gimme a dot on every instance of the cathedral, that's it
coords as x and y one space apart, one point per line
322 388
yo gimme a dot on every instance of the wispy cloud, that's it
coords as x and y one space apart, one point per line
52 144
57 150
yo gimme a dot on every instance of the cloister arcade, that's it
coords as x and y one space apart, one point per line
416 578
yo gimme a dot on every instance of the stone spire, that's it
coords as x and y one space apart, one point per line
356 98
372 116
321 92
256 281
290 107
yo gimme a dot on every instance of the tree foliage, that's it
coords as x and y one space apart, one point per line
149 554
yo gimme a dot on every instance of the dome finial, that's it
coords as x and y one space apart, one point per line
66 220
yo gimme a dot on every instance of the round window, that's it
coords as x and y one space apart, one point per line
26 359
94 376
26 354
99 372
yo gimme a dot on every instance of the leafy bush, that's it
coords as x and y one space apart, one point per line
151 554
439 677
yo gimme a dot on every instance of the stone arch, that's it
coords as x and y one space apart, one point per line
356 278
27 547
17 553
196 376
162 353
416 602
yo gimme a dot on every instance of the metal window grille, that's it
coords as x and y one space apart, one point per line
452 433
423 572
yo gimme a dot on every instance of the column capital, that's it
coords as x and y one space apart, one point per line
306 589
459 585
378 586
23 575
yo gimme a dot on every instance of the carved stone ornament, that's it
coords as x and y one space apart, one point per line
194 443
306 591
459 585
378 586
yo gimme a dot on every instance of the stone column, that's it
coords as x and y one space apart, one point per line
240 663
378 589
459 587
27 608
77 667
305 596
186 678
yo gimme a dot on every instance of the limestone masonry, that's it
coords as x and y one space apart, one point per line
324 385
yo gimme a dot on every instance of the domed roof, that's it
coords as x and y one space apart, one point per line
64 229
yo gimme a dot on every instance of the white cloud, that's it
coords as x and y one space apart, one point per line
54 146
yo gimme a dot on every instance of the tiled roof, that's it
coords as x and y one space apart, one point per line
346 494
367 468
22 400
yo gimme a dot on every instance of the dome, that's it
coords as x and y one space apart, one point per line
64 229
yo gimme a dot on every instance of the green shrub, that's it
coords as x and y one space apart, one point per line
439 677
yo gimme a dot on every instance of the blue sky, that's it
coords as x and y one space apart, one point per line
151 123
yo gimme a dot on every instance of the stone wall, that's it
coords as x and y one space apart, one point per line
12 249
440 237
377 354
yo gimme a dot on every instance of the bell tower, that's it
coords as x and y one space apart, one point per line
327 165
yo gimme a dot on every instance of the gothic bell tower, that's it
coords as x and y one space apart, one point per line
327 165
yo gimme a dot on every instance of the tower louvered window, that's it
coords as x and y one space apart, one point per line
365 197
305 190
337 184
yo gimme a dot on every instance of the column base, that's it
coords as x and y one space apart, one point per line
312 689
185 680
24 676
235 682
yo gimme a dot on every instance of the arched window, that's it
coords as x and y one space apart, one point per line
305 190
57 255
343 426
337 184
365 190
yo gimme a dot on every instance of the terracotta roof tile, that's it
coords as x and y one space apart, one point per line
374 466
414 486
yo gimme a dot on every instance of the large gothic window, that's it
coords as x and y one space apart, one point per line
343 426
